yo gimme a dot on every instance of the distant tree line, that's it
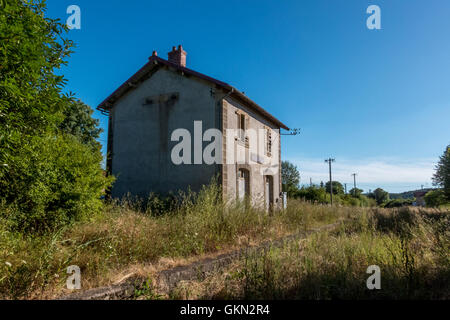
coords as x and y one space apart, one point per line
321 193
378 197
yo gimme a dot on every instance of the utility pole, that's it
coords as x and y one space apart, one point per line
310 182
329 161
354 184
345 186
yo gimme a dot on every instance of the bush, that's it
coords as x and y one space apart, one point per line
396 203
435 198
51 181
312 193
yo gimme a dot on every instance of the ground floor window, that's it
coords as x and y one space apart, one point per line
243 184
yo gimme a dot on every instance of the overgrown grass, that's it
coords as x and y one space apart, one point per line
411 247
126 235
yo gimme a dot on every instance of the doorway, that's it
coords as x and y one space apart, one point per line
268 192
243 184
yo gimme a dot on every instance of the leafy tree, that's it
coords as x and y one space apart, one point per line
78 121
30 91
356 192
312 193
435 198
290 177
47 178
338 188
441 177
379 195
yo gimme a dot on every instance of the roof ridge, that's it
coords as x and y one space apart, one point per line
154 61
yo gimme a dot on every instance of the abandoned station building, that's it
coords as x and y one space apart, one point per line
165 102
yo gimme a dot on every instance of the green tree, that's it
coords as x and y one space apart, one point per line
379 195
32 48
78 122
47 177
312 193
338 188
441 177
435 198
290 177
356 192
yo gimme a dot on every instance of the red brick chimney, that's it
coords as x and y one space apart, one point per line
178 56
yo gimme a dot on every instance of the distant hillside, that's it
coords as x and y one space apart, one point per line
407 194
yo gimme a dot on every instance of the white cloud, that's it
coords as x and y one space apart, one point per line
391 174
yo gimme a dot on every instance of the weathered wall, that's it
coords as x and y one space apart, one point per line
141 158
143 120
234 147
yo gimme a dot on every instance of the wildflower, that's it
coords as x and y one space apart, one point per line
8 264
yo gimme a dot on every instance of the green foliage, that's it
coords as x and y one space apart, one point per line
395 203
355 192
318 194
379 195
30 92
441 177
435 198
367 202
338 188
50 171
290 177
78 122
312 193
52 181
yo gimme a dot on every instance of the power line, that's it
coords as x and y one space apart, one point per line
292 132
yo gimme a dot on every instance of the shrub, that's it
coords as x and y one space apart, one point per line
312 193
395 203
435 198
51 181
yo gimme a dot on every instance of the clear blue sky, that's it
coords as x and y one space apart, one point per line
376 100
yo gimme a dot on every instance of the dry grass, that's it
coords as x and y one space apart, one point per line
411 246
126 239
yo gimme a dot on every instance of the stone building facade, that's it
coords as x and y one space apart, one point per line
166 112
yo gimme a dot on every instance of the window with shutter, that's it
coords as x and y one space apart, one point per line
268 147
241 126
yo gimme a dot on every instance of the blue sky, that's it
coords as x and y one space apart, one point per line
378 101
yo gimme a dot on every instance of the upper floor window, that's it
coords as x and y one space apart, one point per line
241 126
268 145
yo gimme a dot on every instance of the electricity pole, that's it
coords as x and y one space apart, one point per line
329 161
354 184
345 186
